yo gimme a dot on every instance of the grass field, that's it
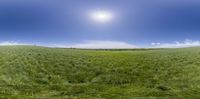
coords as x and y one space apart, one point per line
31 72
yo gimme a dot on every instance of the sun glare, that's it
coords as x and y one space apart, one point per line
101 16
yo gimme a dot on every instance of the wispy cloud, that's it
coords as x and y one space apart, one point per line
10 43
95 44
98 44
177 44
92 44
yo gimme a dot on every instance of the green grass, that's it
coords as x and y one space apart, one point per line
31 72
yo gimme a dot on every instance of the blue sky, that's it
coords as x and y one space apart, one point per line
135 23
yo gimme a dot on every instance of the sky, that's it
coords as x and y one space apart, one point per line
79 23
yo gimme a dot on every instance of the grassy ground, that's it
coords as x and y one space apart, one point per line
38 72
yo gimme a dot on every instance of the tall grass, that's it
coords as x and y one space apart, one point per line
39 72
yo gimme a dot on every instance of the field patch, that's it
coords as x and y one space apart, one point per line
40 72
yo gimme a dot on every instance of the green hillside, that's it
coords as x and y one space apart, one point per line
38 72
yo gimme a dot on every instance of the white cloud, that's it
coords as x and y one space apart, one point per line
10 43
94 44
155 44
98 44
177 44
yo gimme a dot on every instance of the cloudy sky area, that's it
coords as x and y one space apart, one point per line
128 23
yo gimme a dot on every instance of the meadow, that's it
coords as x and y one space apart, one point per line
32 72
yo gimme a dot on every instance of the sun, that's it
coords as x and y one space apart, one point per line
101 16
